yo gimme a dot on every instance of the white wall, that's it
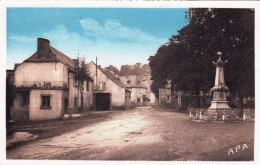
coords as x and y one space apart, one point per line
56 103
152 98
136 93
117 92
73 92
87 95
30 72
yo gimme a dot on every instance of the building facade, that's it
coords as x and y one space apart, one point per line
109 92
140 87
46 86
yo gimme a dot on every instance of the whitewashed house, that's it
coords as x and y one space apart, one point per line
140 87
109 92
46 87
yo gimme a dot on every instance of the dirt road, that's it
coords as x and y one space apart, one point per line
143 134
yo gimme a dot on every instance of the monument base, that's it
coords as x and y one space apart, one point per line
219 105
216 109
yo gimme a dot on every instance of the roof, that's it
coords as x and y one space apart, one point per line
63 58
130 78
16 65
136 81
53 56
112 77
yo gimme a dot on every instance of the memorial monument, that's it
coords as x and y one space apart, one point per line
219 102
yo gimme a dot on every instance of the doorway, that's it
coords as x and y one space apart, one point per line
66 110
102 101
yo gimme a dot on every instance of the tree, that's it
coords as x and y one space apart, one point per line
145 68
136 69
82 71
232 32
125 70
113 69
82 74
158 74
187 58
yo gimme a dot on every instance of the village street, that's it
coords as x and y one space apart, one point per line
138 134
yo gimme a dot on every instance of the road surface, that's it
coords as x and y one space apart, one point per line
139 134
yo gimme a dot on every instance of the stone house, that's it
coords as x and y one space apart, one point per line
108 91
140 87
46 86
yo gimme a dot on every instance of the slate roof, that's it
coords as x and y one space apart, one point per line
130 78
53 56
136 81
63 58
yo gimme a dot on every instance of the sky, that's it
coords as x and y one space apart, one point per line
117 36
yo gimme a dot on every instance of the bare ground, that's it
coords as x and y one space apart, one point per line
140 134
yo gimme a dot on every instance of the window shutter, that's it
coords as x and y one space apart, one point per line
100 86
104 85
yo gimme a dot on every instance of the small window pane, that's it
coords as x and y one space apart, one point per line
46 102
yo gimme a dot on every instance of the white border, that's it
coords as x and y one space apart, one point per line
119 4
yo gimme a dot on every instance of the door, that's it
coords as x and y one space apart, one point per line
102 101
22 110
66 106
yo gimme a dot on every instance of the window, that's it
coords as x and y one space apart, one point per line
46 102
138 82
102 86
128 81
141 90
87 85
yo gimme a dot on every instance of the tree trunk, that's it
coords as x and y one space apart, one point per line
198 98
240 97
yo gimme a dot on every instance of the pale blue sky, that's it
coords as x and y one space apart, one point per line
116 36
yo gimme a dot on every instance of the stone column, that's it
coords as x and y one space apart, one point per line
219 102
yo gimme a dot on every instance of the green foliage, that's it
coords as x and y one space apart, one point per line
136 69
187 58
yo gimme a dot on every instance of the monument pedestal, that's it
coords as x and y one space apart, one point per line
219 104
217 108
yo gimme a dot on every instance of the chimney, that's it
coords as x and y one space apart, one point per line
43 48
